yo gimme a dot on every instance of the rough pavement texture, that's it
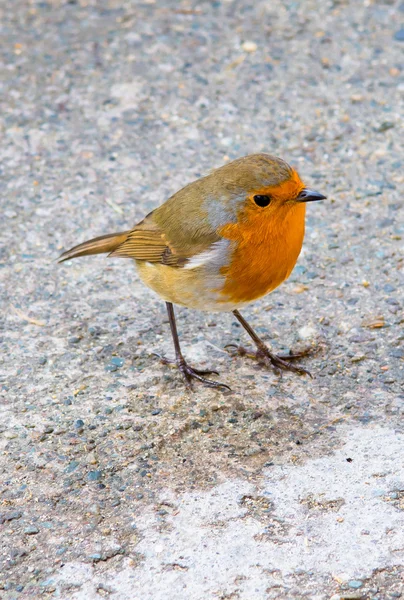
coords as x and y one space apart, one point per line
115 481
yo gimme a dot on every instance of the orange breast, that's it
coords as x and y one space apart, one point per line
265 252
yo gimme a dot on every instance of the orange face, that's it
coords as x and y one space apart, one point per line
268 237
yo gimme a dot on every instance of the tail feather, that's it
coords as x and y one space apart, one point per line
99 245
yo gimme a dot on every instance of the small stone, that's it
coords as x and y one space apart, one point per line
79 424
156 411
249 46
361 338
384 126
10 435
96 557
358 358
48 584
72 466
31 530
42 360
306 332
92 459
118 362
355 583
11 516
252 451
74 340
399 35
94 475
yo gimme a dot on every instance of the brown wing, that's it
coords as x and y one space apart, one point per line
170 235
147 242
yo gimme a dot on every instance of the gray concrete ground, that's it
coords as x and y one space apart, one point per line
115 481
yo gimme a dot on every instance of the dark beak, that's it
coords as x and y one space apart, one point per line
307 195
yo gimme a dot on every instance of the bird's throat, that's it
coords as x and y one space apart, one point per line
264 254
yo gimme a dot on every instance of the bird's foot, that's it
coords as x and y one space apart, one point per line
189 373
280 363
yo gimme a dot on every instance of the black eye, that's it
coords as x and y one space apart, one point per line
262 200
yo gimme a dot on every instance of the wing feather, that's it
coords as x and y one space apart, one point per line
150 246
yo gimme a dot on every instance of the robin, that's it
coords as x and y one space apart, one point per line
218 244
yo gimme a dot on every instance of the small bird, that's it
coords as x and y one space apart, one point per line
218 244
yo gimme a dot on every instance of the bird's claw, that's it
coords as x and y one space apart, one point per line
189 373
280 363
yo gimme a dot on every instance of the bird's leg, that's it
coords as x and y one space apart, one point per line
188 372
264 355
